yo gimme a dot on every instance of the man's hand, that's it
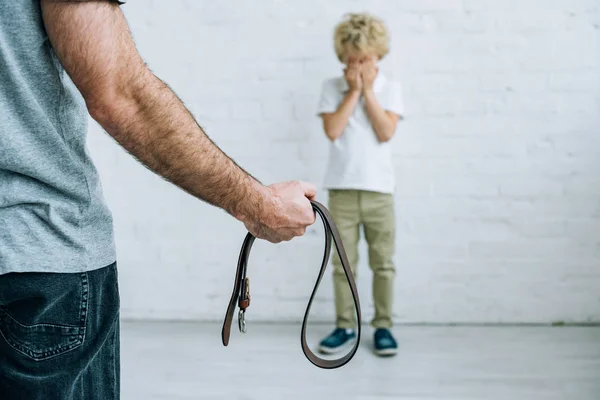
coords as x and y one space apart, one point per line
369 72
287 215
93 43
353 77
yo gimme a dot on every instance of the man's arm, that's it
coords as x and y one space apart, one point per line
93 43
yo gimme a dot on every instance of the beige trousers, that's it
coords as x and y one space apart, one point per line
374 211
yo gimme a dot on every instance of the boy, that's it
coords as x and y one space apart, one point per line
360 112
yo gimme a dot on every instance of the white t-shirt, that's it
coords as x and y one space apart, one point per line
357 160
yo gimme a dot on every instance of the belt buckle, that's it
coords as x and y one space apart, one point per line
242 320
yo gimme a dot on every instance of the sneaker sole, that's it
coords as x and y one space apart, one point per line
386 352
335 350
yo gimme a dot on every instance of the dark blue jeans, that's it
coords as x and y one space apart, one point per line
60 336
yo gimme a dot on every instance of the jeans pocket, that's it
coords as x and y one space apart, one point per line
46 339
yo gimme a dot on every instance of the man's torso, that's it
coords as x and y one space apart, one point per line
52 214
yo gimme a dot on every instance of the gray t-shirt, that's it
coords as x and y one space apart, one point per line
53 217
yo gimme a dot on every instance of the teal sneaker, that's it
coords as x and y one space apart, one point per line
384 343
339 340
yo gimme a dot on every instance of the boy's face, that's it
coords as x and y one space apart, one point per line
357 59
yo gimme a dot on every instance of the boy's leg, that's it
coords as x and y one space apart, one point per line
377 211
60 336
344 208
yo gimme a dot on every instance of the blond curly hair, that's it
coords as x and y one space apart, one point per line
361 33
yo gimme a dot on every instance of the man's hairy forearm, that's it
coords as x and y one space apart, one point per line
155 127
93 43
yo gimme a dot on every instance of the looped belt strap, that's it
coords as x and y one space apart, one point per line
241 290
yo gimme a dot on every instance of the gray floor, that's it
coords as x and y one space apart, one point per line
178 361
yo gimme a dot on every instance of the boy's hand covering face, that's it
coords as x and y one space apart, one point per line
369 72
353 76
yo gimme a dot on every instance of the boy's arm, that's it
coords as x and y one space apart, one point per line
93 42
335 123
384 122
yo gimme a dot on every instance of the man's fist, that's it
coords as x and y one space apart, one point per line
287 212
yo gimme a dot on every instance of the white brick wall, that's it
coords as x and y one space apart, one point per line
498 161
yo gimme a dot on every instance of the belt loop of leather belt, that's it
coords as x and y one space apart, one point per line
241 291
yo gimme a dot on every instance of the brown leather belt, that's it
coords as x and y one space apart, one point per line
241 290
